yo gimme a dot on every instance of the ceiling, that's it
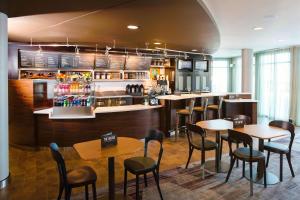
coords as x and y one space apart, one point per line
181 25
237 18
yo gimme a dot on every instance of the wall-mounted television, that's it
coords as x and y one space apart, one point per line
201 65
185 65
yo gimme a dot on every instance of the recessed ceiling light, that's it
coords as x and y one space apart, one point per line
157 43
132 27
194 50
258 28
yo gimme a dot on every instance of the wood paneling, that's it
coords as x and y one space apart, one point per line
68 132
21 119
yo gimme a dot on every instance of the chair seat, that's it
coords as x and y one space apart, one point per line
183 112
199 108
243 153
225 137
213 107
208 145
81 176
276 147
139 165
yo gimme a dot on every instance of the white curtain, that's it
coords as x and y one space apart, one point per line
273 84
236 74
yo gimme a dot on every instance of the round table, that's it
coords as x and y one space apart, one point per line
91 150
217 125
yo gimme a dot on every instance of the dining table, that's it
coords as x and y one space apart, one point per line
260 131
92 150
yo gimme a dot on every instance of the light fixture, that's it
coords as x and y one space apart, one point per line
258 28
76 50
281 40
132 27
157 43
194 50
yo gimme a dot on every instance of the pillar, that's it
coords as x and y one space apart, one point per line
247 65
4 164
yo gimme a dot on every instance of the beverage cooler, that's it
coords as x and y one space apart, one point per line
73 95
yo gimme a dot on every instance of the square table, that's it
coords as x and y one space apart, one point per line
91 150
260 131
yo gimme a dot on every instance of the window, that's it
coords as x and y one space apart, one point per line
273 88
220 75
236 69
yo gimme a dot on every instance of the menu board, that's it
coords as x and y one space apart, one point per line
67 60
116 62
26 59
84 61
101 61
138 63
38 59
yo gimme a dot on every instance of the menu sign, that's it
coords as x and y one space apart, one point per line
101 61
26 59
38 59
67 60
108 139
116 62
84 61
138 63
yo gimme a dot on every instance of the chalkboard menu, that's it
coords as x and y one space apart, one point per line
101 61
85 61
138 63
67 60
36 59
116 62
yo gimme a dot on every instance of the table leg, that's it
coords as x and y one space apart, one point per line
111 178
218 152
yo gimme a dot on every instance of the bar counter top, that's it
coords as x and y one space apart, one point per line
190 96
240 101
110 109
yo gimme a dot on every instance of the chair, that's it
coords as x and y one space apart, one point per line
82 176
202 109
217 108
202 145
143 165
280 148
224 137
186 113
246 154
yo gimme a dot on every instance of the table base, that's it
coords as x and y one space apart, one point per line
211 166
272 179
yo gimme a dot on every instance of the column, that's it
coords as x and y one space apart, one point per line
247 62
4 165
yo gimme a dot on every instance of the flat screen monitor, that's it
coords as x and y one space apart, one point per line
201 65
185 65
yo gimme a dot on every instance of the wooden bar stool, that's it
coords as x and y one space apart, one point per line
217 107
202 109
185 113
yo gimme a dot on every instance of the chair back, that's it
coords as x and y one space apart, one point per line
238 137
154 135
191 106
286 126
60 162
247 119
220 106
193 128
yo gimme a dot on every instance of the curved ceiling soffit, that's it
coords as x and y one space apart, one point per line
188 15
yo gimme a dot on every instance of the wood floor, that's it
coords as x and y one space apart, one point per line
34 175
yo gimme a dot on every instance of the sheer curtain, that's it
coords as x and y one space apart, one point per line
273 84
236 74
220 75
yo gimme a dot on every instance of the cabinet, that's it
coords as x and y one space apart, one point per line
184 81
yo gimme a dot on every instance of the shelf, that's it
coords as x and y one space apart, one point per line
109 70
108 80
38 69
75 70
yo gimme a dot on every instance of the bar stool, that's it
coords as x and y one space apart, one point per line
186 113
217 108
202 109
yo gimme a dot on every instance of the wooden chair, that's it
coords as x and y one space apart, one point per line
246 154
217 108
143 165
224 137
202 109
185 113
203 145
82 176
280 148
